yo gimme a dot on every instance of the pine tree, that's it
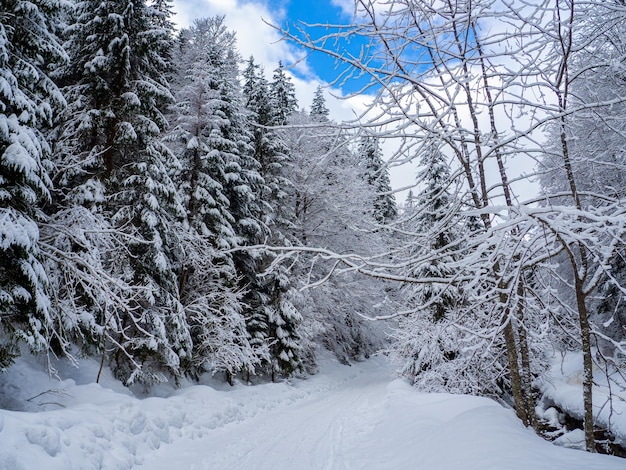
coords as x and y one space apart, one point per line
282 96
201 131
409 203
245 186
211 140
266 146
272 319
28 101
114 163
424 341
319 111
258 322
436 207
163 12
284 325
377 176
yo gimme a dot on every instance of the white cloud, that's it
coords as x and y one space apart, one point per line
347 6
342 108
248 19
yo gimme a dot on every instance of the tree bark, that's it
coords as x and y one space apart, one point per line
585 336
514 371
526 372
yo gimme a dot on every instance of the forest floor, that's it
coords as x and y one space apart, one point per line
345 417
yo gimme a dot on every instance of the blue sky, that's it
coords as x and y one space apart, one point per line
312 11
325 12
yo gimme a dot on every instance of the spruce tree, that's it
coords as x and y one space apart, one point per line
28 101
409 203
272 319
282 96
114 163
211 139
319 111
377 176
284 327
424 341
201 132
435 205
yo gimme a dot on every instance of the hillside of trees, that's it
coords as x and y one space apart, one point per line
168 207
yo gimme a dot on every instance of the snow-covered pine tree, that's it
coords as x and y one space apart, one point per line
201 125
409 203
376 174
319 112
163 12
211 139
267 147
284 322
114 162
283 104
272 317
282 96
28 101
425 342
435 225
245 186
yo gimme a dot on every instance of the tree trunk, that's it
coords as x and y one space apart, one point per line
526 374
103 356
514 370
585 336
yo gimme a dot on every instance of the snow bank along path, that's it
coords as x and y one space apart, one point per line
345 418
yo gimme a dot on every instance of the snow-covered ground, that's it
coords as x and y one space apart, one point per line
356 417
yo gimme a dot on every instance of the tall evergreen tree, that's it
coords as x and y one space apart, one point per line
272 319
376 174
266 146
282 96
319 110
211 140
202 128
114 162
424 342
284 322
409 203
28 101
435 206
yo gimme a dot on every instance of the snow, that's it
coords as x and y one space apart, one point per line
17 230
356 417
563 386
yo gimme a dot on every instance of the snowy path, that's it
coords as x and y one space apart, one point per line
359 418
316 432
344 418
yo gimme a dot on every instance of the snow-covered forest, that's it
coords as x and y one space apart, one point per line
140 165
170 212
